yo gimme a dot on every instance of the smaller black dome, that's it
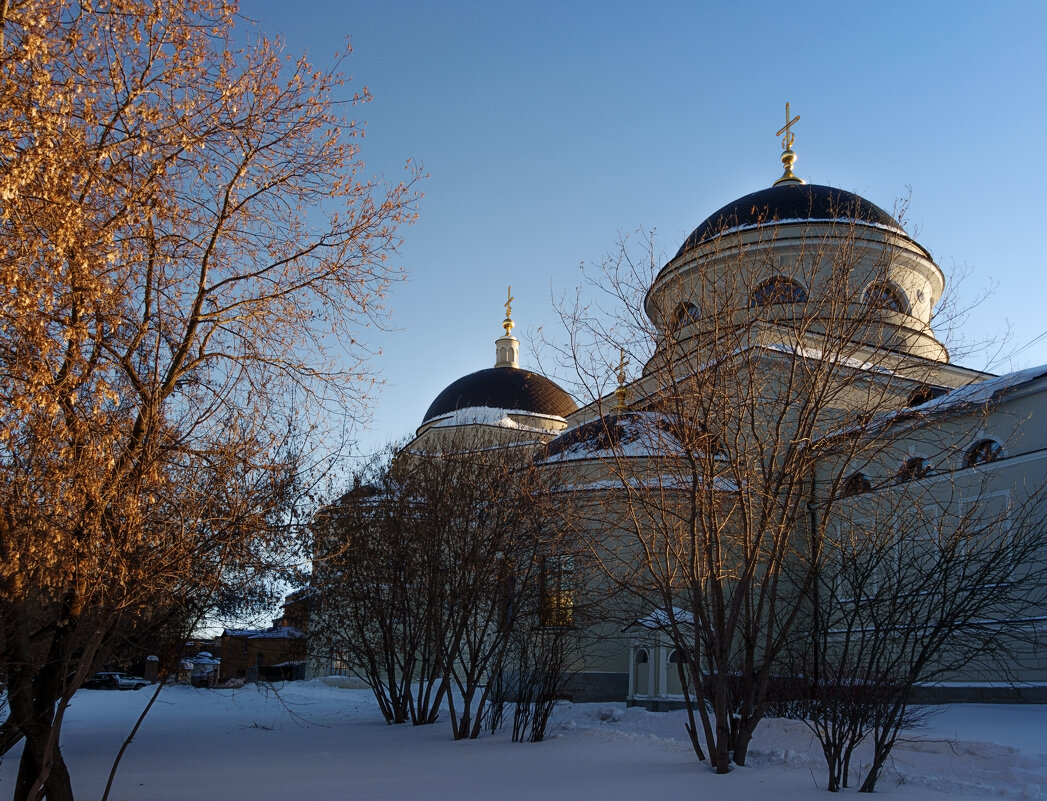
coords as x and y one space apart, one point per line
508 388
789 202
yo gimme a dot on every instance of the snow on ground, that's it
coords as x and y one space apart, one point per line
318 742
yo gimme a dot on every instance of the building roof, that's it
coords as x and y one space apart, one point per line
622 434
789 203
974 396
503 388
280 633
980 393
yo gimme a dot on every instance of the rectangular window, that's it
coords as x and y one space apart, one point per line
339 667
557 600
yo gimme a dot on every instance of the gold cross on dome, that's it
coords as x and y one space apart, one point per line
790 137
622 362
507 323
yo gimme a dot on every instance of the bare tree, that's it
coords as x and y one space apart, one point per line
188 245
544 656
367 582
930 574
428 570
754 354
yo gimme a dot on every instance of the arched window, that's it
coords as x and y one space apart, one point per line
914 468
675 657
885 296
778 290
924 393
685 314
856 484
983 452
641 657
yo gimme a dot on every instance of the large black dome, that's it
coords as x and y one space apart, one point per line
507 388
789 202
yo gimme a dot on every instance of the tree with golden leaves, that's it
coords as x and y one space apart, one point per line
189 253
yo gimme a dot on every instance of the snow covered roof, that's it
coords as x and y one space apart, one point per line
971 396
279 633
819 355
982 392
656 482
485 415
629 434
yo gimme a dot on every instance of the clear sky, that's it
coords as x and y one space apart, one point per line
550 128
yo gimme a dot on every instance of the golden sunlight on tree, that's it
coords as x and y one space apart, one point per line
189 254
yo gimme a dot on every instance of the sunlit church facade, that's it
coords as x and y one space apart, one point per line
988 440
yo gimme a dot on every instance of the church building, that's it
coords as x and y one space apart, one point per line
793 393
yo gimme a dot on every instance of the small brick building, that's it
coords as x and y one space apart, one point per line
276 654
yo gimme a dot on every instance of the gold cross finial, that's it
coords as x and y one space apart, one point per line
788 157
790 137
507 323
622 362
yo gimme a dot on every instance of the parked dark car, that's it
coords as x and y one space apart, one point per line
113 680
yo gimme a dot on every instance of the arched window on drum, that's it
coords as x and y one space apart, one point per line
885 296
684 315
778 290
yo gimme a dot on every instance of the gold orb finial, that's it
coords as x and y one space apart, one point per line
788 156
508 323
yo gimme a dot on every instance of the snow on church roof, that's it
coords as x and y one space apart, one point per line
625 434
982 392
971 396
485 415
280 633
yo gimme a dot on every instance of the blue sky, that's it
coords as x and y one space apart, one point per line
548 129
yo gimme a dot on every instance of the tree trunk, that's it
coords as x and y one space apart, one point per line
130 738
869 785
743 736
26 785
691 696
42 763
722 758
33 699
10 736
